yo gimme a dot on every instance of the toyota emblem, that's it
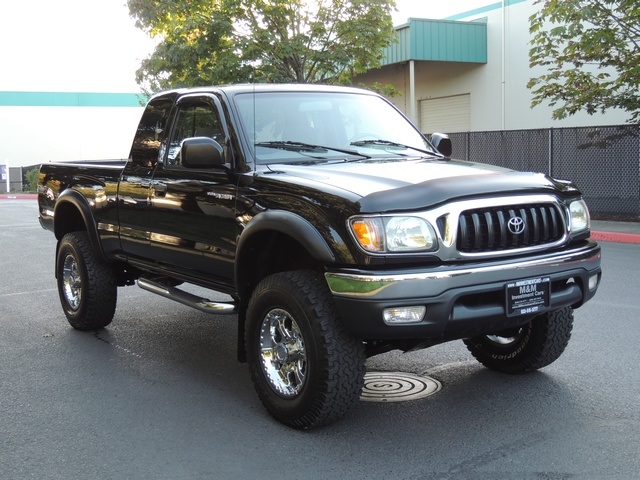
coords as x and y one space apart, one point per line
516 225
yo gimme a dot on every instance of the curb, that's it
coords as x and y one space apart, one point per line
617 237
18 196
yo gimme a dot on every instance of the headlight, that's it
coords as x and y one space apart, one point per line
393 234
408 234
579 216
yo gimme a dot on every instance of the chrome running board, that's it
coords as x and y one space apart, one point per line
186 298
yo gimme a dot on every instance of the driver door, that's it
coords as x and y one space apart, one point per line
193 220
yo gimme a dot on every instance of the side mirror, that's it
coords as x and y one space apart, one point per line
201 152
442 142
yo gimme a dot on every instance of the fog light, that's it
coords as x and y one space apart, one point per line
398 315
593 282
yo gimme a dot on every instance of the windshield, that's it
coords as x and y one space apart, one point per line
339 123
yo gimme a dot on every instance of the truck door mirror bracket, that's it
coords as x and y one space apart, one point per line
201 152
442 142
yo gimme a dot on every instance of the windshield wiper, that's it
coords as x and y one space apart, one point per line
389 143
307 147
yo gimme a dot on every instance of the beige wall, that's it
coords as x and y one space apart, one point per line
499 99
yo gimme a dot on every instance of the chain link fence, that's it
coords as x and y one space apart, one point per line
604 162
10 179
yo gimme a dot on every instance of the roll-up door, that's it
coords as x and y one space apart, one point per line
446 114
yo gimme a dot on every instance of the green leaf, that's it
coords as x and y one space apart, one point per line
223 41
590 54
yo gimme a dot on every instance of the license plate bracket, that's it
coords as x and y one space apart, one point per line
527 297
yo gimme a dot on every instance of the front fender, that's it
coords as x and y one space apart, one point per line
283 223
292 225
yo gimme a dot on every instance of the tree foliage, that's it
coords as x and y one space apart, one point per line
32 179
591 54
225 41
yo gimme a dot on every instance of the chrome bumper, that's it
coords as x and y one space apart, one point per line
447 293
440 279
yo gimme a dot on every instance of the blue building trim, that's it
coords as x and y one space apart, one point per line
71 99
485 9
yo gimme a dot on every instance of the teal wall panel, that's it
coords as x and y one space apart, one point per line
439 40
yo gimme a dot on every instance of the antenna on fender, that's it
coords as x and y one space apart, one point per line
255 161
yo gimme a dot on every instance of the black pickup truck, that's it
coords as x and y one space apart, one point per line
336 230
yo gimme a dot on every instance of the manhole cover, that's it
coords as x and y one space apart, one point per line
397 387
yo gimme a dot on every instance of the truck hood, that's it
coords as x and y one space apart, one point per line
409 184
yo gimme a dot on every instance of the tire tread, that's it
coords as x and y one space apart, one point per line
546 338
341 372
99 290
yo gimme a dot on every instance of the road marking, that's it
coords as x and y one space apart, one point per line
14 294
447 366
116 346
21 225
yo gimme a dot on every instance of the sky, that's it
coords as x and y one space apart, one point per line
434 9
94 46
69 46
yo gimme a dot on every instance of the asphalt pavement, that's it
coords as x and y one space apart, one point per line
158 394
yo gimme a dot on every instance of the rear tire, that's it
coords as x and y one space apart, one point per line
86 285
307 369
530 347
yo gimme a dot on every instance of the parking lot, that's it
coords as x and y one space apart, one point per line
159 394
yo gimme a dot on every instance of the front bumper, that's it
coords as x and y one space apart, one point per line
461 301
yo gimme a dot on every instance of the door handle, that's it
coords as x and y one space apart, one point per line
160 189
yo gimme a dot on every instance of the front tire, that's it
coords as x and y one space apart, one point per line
86 285
307 369
530 347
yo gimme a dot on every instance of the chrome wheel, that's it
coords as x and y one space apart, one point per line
501 340
506 337
72 282
282 353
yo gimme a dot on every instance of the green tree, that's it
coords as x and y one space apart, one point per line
32 179
204 42
591 55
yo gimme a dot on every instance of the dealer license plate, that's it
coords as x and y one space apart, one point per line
526 297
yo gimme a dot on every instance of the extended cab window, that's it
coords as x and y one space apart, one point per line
146 147
193 120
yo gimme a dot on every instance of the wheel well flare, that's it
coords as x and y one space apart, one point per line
269 252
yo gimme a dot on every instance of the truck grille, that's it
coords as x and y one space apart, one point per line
494 229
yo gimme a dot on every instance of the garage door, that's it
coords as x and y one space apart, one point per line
446 114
